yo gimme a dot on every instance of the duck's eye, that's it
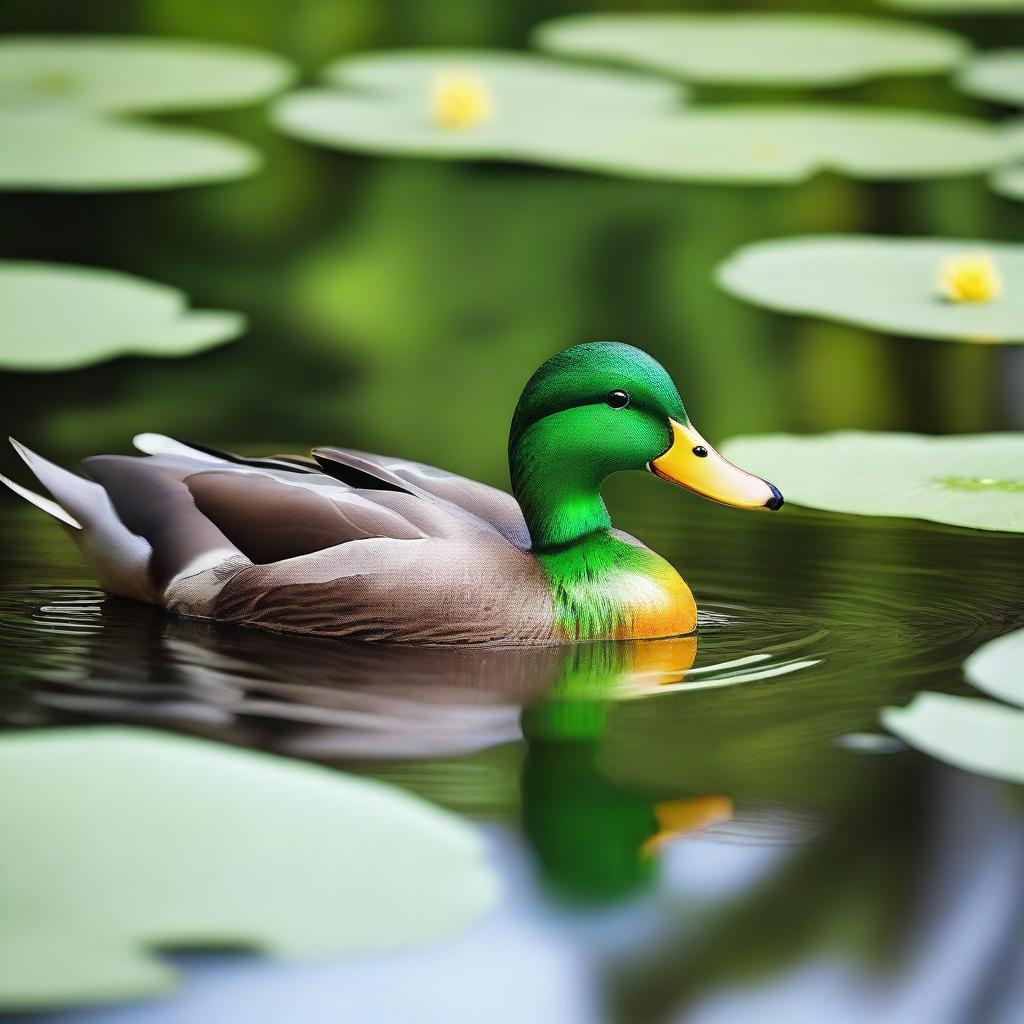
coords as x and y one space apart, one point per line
700 451
617 399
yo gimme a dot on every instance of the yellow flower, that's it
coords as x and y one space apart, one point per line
970 277
460 99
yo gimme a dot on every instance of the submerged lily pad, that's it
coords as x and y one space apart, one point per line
976 735
887 284
118 842
757 48
61 101
996 75
998 667
974 480
612 122
57 317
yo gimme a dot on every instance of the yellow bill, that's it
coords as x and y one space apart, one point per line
692 463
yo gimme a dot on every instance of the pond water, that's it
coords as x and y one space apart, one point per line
713 829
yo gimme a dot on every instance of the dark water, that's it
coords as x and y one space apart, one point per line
719 828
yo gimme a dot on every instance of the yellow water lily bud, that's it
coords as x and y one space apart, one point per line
461 99
970 277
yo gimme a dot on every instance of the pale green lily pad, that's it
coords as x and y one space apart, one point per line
757 48
887 284
616 123
976 735
55 151
59 317
998 667
974 480
996 75
958 6
130 74
118 842
61 99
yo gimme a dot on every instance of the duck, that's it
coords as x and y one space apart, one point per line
344 543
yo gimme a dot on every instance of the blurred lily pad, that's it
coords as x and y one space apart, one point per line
58 317
613 122
974 480
958 6
886 284
996 75
53 150
757 48
121 841
61 101
1009 181
998 667
979 736
129 74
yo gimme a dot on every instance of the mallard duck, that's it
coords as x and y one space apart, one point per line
349 544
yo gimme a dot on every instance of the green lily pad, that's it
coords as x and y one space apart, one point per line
958 6
886 284
62 101
612 122
974 480
56 151
756 48
130 74
118 842
996 75
998 667
57 317
976 735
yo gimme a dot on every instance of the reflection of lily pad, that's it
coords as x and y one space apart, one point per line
750 49
55 317
60 98
59 151
996 75
970 480
888 284
128 74
118 842
976 735
998 667
615 123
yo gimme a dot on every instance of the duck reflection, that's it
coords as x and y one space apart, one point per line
446 722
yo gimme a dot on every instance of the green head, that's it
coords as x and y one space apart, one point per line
598 409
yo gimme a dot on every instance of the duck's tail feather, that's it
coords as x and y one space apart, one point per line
118 557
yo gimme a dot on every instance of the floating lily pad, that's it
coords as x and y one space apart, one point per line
71 152
976 735
972 480
616 123
887 284
57 317
130 74
61 99
998 667
118 842
996 75
757 48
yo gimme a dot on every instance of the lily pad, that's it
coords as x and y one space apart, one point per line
70 152
886 284
979 736
62 101
974 480
958 6
118 842
756 48
996 75
612 122
129 74
57 317
998 667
